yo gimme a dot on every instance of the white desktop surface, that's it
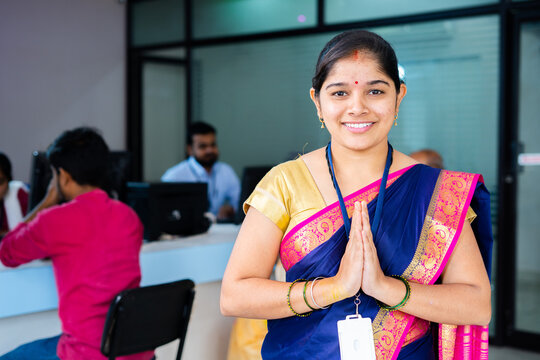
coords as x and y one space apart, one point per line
31 288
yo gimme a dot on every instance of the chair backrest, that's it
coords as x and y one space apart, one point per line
144 318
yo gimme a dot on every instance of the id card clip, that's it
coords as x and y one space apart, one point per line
356 337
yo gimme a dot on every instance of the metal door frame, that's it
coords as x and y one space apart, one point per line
506 331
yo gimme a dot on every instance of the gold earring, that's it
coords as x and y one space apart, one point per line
395 120
322 122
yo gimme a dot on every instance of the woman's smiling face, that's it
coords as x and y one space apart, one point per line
358 102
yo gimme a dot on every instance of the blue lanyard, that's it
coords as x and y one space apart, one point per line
380 199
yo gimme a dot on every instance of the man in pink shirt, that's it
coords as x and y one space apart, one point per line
92 240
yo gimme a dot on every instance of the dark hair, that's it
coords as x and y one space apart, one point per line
5 166
199 128
83 153
344 44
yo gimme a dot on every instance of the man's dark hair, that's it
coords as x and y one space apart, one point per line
199 128
5 166
83 153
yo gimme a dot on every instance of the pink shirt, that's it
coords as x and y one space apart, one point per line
94 245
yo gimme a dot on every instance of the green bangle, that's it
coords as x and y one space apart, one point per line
289 299
305 298
405 298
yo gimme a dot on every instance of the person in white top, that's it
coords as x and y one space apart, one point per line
13 197
203 166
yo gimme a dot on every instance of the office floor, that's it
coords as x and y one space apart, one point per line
505 353
205 320
527 300
527 317
48 324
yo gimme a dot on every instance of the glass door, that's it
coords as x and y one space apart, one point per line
163 92
518 310
527 309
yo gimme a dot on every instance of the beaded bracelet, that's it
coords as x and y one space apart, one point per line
289 299
305 298
405 298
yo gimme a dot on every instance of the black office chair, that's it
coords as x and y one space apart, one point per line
144 318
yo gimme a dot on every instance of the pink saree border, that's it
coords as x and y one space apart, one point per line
475 179
438 238
326 221
463 342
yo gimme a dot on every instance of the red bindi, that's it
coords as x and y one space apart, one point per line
356 82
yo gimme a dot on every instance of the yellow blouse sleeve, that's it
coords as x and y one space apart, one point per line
271 197
471 215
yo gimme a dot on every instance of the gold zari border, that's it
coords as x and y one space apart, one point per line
440 226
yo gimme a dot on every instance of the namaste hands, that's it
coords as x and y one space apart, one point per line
360 268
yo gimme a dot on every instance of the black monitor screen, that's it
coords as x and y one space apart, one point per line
169 207
40 177
250 178
119 174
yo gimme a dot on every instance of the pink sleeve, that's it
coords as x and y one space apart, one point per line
22 244
22 195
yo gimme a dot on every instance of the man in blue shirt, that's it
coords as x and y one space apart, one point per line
202 166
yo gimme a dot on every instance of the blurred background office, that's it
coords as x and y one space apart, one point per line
143 70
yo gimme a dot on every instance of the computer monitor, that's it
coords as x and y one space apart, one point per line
40 176
118 174
175 208
250 178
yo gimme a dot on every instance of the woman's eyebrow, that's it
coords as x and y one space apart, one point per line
374 82
334 84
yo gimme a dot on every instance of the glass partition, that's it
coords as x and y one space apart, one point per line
338 11
261 89
157 22
163 118
170 53
236 17
452 76
259 92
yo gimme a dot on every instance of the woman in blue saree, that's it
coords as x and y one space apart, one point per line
359 220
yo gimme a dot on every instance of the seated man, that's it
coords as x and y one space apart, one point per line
428 157
92 240
13 197
202 166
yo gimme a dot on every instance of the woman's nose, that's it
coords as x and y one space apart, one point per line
357 105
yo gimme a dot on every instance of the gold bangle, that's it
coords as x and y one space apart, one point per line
289 299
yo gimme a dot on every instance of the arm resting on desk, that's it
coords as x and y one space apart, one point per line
19 247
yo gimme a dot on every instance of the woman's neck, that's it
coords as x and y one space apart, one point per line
360 164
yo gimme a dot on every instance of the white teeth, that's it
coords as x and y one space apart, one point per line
357 125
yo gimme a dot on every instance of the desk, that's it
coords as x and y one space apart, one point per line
31 288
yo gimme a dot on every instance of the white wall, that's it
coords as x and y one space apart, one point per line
61 66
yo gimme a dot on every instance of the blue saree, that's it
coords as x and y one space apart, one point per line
423 214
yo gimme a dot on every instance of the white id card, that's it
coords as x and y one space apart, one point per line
356 338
